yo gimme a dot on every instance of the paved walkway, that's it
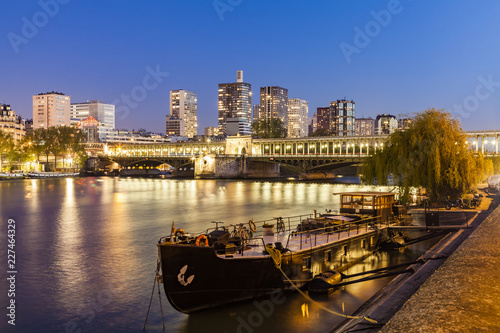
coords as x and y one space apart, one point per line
463 295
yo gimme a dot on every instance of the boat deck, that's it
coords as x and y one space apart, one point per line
309 239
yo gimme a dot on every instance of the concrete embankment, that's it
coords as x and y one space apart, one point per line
460 292
463 294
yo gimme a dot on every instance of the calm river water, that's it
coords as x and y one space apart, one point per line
86 252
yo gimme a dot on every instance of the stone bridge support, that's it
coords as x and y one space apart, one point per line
233 166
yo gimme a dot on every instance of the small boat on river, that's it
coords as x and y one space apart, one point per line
235 262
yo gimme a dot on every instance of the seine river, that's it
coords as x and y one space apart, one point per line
85 252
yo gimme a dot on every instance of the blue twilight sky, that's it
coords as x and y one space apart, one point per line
388 56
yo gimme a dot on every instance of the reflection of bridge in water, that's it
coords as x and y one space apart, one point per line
299 155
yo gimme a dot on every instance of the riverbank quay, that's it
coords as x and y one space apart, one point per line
454 290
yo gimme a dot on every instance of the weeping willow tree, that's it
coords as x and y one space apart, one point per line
432 153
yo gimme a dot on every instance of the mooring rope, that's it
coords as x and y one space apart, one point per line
155 281
276 256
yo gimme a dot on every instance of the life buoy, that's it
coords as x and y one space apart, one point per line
252 225
199 240
179 233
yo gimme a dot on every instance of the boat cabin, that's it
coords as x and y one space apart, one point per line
369 203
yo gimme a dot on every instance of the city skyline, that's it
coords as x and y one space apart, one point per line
388 56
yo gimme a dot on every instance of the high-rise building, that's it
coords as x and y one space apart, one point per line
255 115
235 101
385 124
10 123
101 111
51 109
274 104
174 126
298 110
364 126
184 105
342 117
313 123
211 131
323 119
235 126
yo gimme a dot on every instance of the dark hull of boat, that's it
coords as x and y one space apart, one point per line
195 278
210 281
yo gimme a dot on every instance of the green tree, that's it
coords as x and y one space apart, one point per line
269 128
61 141
26 150
65 135
320 132
7 148
431 153
76 147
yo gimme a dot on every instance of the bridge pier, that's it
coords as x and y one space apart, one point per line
233 166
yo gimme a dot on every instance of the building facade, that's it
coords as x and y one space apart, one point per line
274 104
211 131
313 123
298 110
11 123
404 123
235 126
364 126
235 101
184 105
385 124
174 126
90 127
51 109
101 111
29 126
256 111
342 117
323 119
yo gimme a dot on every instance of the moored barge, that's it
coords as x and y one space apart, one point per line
243 261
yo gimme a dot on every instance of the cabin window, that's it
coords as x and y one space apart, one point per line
363 243
372 241
328 256
306 263
344 250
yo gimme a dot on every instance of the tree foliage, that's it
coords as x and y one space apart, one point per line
321 132
7 148
61 142
432 153
269 128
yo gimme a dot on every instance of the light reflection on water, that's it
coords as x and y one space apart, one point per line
86 251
